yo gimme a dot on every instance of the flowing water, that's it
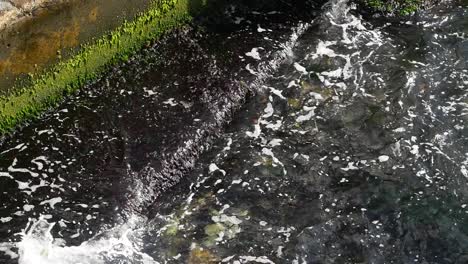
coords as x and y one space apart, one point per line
262 137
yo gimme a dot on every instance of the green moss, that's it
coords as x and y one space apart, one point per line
400 7
213 230
48 89
295 103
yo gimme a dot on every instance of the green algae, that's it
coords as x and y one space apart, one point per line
399 7
54 32
48 89
295 103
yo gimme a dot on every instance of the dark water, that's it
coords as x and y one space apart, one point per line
264 137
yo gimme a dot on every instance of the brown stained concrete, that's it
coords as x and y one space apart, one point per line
14 11
35 34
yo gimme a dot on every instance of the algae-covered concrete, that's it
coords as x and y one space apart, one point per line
40 58
49 48
13 11
40 33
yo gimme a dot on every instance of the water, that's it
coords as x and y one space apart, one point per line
272 139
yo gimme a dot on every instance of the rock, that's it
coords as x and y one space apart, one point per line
202 256
5 7
20 3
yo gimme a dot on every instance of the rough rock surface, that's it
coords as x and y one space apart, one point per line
20 3
5 6
12 11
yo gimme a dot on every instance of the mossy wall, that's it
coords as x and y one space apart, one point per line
44 89
55 32
49 88
394 7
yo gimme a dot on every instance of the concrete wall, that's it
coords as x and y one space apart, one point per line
35 34
12 11
47 60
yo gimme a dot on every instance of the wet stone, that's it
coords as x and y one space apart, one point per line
21 3
202 256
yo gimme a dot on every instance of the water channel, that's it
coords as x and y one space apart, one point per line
270 135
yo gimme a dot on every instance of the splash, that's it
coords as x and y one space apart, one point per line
121 244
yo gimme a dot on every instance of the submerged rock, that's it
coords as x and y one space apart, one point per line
202 256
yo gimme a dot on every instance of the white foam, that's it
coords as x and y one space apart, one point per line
384 158
170 102
6 174
268 111
254 54
257 131
300 68
22 170
213 167
52 202
38 246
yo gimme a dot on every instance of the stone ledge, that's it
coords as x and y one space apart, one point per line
46 89
13 11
